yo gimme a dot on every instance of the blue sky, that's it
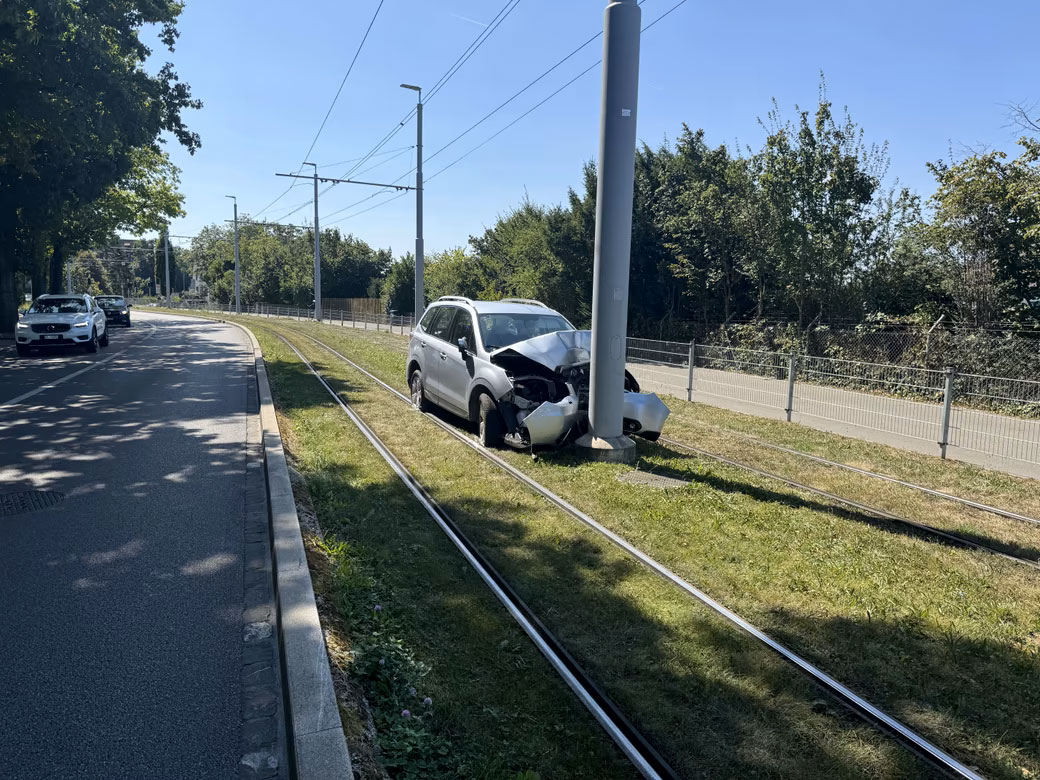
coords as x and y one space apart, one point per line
925 76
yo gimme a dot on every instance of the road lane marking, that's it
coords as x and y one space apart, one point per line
18 399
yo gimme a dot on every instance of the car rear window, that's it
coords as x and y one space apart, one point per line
59 306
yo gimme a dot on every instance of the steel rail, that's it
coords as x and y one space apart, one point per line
631 742
884 477
955 539
903 733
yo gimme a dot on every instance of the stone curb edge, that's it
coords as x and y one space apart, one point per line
317 746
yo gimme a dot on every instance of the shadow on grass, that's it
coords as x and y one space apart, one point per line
787 496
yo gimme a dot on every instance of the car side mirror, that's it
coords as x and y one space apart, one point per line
463 345
129 305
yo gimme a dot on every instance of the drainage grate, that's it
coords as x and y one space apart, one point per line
637 477
28 501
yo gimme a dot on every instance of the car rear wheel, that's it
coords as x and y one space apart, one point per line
92 345
491 428
418 389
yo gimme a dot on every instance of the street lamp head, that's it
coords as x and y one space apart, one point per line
310 163
232 198
412 87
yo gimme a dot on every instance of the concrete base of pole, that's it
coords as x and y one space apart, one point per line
620 449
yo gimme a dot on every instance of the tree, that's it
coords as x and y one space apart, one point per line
77 103
986 229
398 288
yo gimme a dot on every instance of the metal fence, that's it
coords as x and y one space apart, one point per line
990 415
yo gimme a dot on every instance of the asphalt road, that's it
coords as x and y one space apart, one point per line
121 606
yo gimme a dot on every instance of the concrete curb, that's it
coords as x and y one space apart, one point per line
317 746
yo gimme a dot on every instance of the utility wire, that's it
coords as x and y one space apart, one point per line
536 105
355 159
329 112
442 81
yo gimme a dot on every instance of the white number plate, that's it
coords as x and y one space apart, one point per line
50 337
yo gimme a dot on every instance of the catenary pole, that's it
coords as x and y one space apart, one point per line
420 293
238 299
317 250
617 142
166 253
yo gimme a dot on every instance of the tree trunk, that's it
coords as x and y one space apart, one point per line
57 268
8 294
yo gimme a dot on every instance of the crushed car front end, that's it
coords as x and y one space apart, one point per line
547 397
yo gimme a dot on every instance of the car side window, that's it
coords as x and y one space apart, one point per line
441 326
428 318
463 328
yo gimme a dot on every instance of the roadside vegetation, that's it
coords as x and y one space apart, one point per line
945 639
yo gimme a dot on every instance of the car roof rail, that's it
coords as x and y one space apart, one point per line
528 301
455 298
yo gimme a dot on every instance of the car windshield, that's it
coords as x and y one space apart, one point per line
59 306
502 329
111 303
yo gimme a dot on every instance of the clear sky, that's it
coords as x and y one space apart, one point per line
925 76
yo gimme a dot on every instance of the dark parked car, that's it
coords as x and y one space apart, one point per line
117 310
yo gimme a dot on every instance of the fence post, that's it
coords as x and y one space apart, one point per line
689 378
792 368
944 437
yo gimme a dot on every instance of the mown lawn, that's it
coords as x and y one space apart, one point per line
945 639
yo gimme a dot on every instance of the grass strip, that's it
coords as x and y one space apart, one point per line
945 639
418 623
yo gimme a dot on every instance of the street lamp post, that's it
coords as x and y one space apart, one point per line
238 300
420 293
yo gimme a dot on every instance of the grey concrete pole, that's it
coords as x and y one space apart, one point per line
166 253
420 293
68 276
238 300
617 143
317 250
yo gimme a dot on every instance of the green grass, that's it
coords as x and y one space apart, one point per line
943 638
497 705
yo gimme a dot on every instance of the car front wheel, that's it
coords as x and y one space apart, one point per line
491 428
23 351
103 341
418 389
92 345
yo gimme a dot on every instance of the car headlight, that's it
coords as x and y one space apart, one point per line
80 324
22 326
123 311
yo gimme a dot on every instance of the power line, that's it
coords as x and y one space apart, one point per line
536 105
344 81
442 81
355 159
329 112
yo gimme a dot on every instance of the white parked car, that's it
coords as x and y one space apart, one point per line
62 321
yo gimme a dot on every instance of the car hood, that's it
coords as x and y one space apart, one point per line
561 349
69 318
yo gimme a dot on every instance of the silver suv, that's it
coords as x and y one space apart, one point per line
517 369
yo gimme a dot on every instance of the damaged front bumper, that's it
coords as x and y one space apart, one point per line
550 423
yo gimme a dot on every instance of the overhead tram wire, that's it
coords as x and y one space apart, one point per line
441 82
357 53
535 106
496 110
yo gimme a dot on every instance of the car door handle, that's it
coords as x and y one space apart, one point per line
444 356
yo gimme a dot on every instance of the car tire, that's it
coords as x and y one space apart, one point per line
103 341
92 345
22 350
418 392
490 426
128 323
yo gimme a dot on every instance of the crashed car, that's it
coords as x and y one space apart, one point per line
517 369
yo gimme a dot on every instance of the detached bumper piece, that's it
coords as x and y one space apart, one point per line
550 423
644 415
